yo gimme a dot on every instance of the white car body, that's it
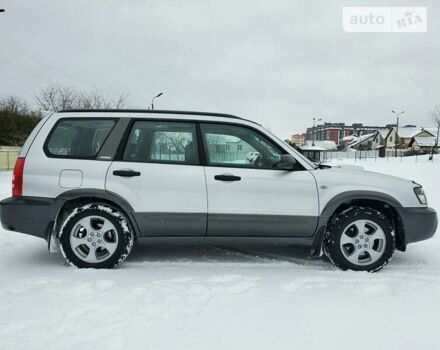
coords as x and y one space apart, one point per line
169 200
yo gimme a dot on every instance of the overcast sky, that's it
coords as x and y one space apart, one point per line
280 63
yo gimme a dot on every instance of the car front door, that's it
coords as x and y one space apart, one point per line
160 176
247 194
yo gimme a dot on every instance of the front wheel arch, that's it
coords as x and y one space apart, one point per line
381 202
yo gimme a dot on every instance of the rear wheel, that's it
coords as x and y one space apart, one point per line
96 236
359 239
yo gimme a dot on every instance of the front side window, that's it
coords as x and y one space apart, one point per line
162 142
236 146
78 138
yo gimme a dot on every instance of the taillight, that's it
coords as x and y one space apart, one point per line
17 178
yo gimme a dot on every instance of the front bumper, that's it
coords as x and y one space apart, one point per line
31 215
418 223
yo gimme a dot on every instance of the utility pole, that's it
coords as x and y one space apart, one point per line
314 131
397 131
436 142
152 100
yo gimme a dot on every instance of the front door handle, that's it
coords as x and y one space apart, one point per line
227 177
126 173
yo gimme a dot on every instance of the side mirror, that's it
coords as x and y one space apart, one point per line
287 162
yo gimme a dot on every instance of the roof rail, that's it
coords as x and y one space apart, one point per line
158 111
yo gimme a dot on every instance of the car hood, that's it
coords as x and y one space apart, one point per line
353 174
354 179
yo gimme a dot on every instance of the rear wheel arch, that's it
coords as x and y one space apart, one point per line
72 199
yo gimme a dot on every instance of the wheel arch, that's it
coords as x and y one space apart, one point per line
376 200
73 198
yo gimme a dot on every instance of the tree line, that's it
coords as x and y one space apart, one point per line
17 118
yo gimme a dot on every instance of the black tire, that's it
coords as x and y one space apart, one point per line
343 220
124 232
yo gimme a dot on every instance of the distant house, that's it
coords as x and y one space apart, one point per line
364 142
314 153
338 131
381 138
316 150
422 143
229 149
405 135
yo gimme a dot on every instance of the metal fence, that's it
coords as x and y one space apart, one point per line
328 156
7 159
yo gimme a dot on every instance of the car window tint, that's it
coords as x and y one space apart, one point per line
237 146
163 142
78 138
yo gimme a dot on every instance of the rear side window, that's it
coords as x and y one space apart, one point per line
162 142
78 138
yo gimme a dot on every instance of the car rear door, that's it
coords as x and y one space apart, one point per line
247 194
160 176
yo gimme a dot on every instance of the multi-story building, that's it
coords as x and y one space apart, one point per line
337 131
298 139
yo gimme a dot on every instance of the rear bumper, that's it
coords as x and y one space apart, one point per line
418 223
30 215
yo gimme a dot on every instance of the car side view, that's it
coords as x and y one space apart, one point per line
91 182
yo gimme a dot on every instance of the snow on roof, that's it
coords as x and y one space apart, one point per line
432 131
362 138
349 138
384 132
312 148
407 133
326 145
425 141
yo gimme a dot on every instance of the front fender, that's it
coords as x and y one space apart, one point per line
336 201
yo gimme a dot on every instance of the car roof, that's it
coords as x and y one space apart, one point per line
156 111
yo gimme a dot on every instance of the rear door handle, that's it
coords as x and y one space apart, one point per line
126 173
227 177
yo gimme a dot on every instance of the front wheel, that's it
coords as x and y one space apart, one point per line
359 239
96 236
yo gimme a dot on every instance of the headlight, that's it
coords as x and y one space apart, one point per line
420 193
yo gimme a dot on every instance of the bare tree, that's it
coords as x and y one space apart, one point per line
96 99
57 97
173 143
435 115
120 101
14 105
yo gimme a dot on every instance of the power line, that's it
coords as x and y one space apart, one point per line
35 56
22 68
16 89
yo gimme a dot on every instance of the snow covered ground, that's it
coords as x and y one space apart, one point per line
204 297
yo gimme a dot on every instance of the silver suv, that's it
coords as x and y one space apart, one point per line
91 182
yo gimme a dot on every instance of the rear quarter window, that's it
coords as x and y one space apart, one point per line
78 138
